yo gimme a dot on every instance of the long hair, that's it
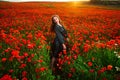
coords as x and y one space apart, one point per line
53 23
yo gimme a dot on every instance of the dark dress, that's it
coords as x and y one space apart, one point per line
61 34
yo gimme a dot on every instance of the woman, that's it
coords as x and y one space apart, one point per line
58 44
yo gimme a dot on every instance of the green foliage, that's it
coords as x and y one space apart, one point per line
100 58
30 66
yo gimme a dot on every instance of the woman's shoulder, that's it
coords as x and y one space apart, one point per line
61 28
57 28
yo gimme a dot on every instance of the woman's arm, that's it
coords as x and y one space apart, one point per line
59 35
64 46
67 39
66 35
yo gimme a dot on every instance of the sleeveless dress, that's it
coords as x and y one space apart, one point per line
61 34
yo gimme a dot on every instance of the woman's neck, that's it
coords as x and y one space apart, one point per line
59 24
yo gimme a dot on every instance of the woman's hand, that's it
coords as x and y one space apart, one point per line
64 46
67 39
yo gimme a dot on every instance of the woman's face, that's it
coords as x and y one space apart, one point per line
55 19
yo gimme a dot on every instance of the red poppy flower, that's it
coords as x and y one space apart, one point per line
68 62
89 63
25 54
104 78
6 77
29 36
15 53
24 78
64 52
22 65
40 61
109 67
29 59
86 48
30 45
4 59
91 70
32 55
24 74
69 75
42 69
11 70
72 70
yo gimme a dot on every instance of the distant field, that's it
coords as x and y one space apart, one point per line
45 9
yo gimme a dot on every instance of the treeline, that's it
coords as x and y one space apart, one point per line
106 2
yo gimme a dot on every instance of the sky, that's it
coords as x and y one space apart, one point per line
43 0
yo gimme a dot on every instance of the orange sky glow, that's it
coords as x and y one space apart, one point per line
45 0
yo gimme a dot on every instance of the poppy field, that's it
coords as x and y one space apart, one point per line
25 41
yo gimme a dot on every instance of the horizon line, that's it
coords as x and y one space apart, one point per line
45 1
